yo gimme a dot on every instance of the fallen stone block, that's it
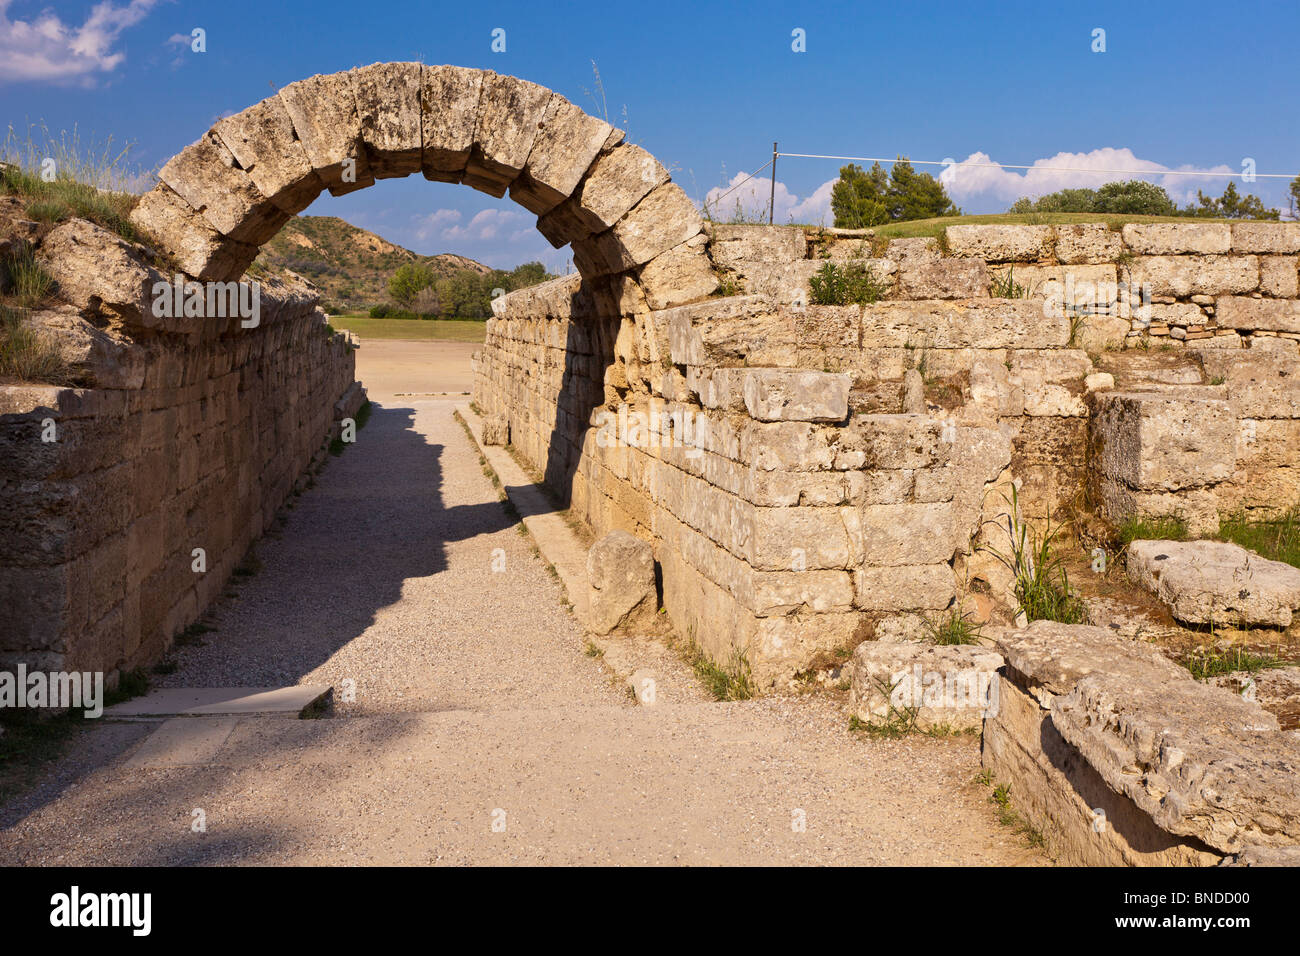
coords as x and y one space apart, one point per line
924 686
1216 582
1201 761
621 573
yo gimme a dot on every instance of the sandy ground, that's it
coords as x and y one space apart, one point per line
482 733
389 367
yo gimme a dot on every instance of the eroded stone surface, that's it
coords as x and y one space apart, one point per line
925 685
1217 582
621 571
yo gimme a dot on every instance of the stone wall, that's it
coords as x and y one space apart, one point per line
190 434
822 475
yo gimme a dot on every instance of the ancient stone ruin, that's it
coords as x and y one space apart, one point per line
809 478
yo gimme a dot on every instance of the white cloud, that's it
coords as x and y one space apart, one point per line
971 181
753 196
426 227
486 224
46 49
1071 171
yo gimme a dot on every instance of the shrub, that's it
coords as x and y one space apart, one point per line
854 284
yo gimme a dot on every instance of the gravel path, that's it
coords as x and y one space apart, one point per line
481 733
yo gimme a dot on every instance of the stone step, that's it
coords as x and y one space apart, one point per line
222 701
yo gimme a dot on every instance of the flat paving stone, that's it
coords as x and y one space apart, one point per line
243 701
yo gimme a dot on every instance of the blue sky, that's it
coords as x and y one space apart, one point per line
707 87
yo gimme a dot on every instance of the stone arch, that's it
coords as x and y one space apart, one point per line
634 232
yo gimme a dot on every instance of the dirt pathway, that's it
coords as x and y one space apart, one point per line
481 732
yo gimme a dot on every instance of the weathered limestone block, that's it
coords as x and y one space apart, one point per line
1050 381
510 113
735 330
617 181
621 571
1243 312
1195 274
985 324
1000 243
198 248
109 359
1166 440
1083 821
262 140
1261 384
776 395
449 116
324 114
1090 242
1269 237
894 442
929 587
1080 288
496 430
936 686
1177 238
814 538
1278 276
101 274
908 251
1216 582
775 593
739 247
678 276
206 175
1201 761
944 279
1276 689
567 143
665 218
388 99
900 535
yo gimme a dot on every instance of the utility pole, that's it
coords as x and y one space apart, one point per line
771 202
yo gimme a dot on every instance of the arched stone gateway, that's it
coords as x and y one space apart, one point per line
222 197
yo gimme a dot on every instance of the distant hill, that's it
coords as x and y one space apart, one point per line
349 265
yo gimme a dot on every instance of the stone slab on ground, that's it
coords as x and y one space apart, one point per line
1216 582
183 742
1201 761
213 701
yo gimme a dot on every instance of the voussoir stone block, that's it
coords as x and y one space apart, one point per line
262 140
198 249
616 182
510 114
682 274
206 175
665 218
388 110
1216 582
566 145
448 117
325 117
786 395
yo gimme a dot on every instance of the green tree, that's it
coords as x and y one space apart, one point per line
1231 205
914 195
1294 199
405 284
858 198
1135 198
